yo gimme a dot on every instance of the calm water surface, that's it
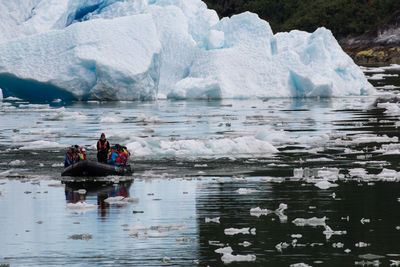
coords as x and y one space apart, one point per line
195 162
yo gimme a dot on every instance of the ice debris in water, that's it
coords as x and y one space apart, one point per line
245 191
362 244
328 232
227 256
235 231
314 221
279 212
281 246
17 162
134 47
301 264
215 220
245 244
325 185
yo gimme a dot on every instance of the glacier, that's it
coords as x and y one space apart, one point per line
149 49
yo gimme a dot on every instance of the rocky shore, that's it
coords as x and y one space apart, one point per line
377 47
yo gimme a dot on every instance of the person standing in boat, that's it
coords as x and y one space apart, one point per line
102 149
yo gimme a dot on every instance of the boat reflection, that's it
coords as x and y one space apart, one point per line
79 190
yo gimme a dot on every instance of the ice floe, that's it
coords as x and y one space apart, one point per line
325 185
235 231
328 232
215 220
81 206
314 221
245 191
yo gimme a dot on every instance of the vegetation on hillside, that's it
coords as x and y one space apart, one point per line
342 17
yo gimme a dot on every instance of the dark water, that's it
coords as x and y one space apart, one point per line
196 161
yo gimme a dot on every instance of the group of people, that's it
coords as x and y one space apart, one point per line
74 154
116 155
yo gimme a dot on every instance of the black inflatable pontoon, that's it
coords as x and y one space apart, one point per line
93 168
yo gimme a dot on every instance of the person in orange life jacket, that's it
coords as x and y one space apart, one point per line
102 149
124 154
114 158
70 157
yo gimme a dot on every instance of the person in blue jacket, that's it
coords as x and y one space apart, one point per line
70 157
115 158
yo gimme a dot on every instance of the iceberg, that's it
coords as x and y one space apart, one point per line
180 49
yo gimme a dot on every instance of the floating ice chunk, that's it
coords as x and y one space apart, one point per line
245 244
228 258
362 244
17 162
389 175
338 245
36 145
325 185
166 259
118 200
392 109
328 232
215 220
111 120
225 250
235 231
148 119
358 172
81 206
363 221
314 221
301 264
57 165
347 250
281 246
215 243
258 212
245 191
394 262
296 236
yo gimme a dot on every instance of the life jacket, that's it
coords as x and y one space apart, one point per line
118 159
102 147
71 159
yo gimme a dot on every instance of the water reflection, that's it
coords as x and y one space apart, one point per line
77 191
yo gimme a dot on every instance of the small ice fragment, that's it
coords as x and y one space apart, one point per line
234 231
131 199
362 244
282 245
370 256
325 185
245 191
224 250
301 264
347 218
347 250
258 212
338 245
215 220
298 173
166 259
394 262
329 232
228 258
115 200
365 221
215 243
397 227
333 195
253 231
245 244
296 236
219 180
314 221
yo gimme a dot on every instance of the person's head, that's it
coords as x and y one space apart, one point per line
83 150
102 136
71 149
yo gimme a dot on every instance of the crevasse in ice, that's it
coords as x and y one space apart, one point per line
144 49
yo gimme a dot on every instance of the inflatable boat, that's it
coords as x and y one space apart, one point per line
93 168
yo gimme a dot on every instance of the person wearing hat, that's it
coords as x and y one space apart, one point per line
102 149
115 155
70 157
